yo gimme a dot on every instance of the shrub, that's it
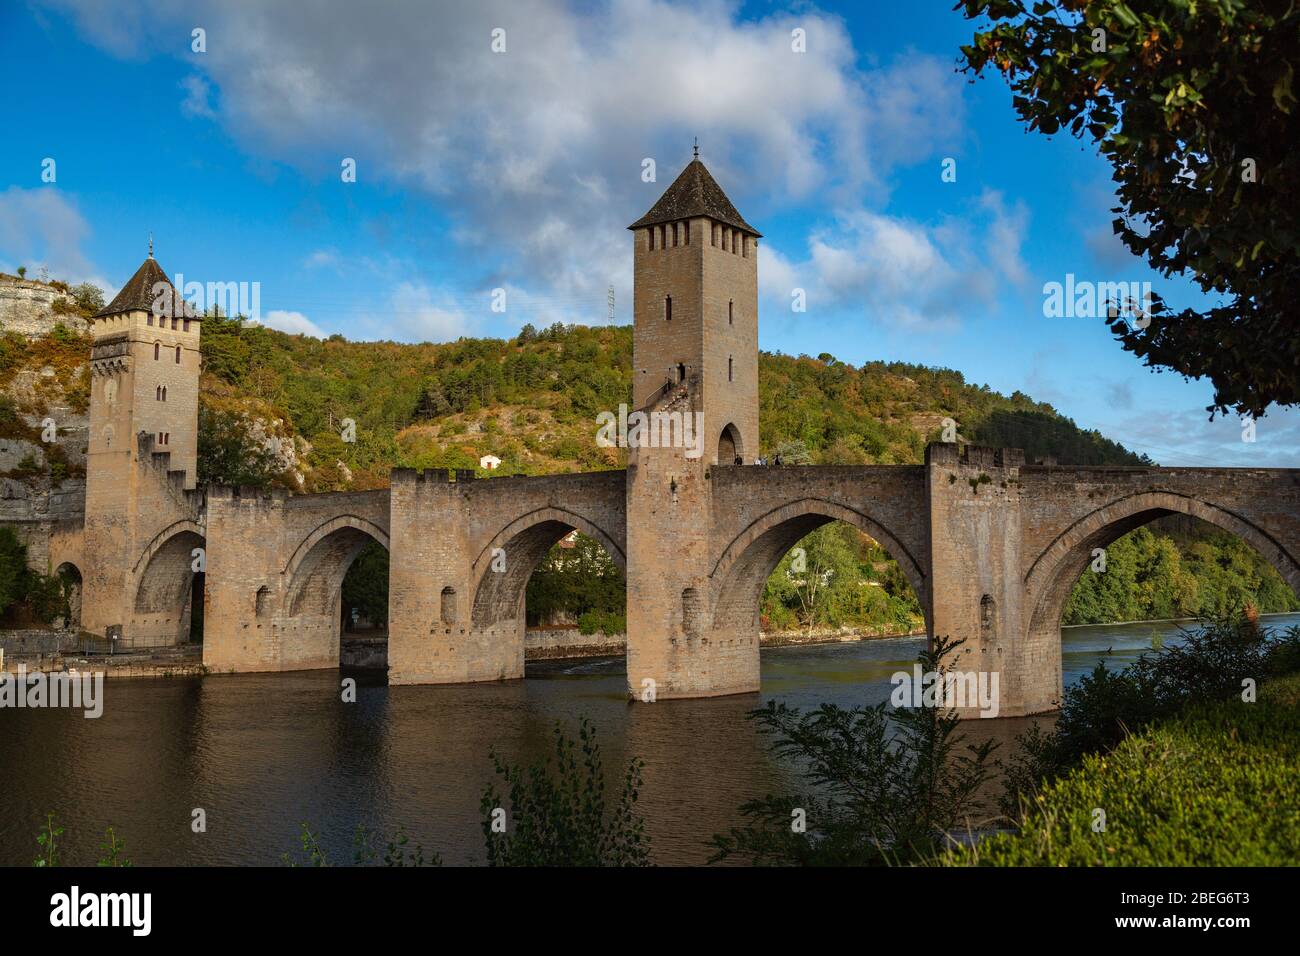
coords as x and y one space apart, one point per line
880 791
1216 786
397 852
13 568
46 596
1106 706
559 814
89 298
610 623
63 335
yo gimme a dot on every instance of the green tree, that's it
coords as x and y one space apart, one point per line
576 582
13 568
228 454
365 586
89 298
1194 107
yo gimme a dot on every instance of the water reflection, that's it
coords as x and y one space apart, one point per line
262 753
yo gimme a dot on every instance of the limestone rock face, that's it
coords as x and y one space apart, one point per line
28 307
29 499
14 450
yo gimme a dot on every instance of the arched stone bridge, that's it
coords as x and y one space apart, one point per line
991 546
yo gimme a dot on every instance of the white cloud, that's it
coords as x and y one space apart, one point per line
43 227
419 313
901 272
537 151
322 258
197 93
1186 437
295 323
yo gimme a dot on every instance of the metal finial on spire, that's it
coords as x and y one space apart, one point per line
151 245
697 147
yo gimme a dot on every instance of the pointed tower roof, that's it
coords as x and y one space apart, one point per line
138 294
695 193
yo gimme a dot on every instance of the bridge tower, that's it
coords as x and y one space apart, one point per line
141 458
695 355
695 310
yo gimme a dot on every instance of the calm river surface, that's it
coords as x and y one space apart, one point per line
262 753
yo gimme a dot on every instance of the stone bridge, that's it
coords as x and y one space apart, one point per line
991 546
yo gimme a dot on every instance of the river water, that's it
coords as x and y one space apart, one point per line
260 754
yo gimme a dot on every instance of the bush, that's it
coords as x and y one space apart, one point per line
558 814
1105 706
1216 786
881 791
609 623
63 335
13 568
89 298
46 596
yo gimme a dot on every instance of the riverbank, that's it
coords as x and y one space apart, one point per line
568 643
184 661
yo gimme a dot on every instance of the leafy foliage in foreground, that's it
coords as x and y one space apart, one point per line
50 838
557 814
1106 706
1194 106
1216 786
398 851
883 788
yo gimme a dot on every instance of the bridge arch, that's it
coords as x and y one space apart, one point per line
1052 575
165 590
750 558
522 544
165 570
314 573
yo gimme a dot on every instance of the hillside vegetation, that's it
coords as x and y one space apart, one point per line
532 401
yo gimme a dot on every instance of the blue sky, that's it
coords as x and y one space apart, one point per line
520 170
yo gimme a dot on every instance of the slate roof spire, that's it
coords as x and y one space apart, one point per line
138 294
695 193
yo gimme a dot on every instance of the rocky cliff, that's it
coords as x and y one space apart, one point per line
44 424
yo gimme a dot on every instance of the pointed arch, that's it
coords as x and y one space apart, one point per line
1053 573
744 566
499 595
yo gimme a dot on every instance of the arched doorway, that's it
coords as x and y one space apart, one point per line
730 447
70 577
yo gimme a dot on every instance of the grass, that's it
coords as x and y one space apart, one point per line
1218 785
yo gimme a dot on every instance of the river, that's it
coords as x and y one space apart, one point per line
260 754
